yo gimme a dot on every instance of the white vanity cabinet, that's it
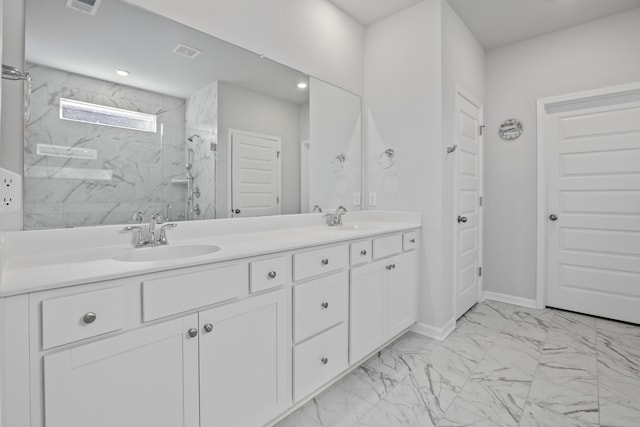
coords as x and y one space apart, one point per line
383 297
146 377
243 362
238 342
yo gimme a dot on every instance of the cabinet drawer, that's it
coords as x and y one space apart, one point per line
174 294
360 252
76 317
410 241
268 273
319 360
320 304
319 261
387 246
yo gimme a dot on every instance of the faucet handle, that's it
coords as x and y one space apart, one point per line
162 240
139 238
138 217
157 217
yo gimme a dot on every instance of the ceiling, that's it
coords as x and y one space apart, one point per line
121 36
369 11
500 22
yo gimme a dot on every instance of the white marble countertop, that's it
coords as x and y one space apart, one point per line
39 260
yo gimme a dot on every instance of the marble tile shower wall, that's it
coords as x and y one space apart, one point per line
201 117
132 171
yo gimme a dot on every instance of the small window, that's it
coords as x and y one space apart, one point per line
106 116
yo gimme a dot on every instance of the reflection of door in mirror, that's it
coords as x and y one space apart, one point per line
255 174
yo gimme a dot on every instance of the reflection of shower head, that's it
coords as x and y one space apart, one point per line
191 138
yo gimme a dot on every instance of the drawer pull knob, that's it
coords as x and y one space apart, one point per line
324 360
363 252
88 318
193 332
412 240
325 261
208 327
393 266
272 274
324 305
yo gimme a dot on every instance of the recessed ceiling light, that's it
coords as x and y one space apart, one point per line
302 85
123 73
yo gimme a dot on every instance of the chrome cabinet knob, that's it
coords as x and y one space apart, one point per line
325 261
193 332
462 219
208 327
272 274
553 217
324 305
363 252
324 360
88 318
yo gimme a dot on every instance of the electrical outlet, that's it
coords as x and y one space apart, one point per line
356 198
10 191
373 199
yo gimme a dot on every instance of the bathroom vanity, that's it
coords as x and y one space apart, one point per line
192 336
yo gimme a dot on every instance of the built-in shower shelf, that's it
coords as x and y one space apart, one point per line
181 181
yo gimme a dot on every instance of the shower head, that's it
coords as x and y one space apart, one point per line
192 137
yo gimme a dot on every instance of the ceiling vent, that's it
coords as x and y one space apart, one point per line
90 7
186 51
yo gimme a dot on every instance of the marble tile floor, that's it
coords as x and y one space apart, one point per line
504 365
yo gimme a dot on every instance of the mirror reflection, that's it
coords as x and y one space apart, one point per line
133 112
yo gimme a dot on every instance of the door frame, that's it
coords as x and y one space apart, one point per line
277 140
567 102
460 91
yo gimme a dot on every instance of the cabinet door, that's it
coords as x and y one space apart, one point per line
367 317
401 293
144 378
243 362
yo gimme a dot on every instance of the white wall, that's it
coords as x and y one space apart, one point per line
403 111
463 66
312 36
593 55
247 110
335 127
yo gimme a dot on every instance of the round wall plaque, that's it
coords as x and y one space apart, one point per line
510 129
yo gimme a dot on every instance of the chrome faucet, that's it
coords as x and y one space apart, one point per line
152 238
336 218
151 233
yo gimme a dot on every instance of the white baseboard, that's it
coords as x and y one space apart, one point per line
510 299
433 332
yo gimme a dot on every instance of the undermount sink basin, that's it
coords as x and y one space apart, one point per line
162 253
355 227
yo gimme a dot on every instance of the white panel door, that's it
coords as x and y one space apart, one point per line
467 193
593 199
255 175
144 378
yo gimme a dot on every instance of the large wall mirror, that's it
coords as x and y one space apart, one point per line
130 111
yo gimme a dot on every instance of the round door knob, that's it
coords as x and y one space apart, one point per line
324 305
462 219
324 360
236 211
363 252
388 267
193 332
272 274
393 266
89 318
208 327
325 262
412 241
553 217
